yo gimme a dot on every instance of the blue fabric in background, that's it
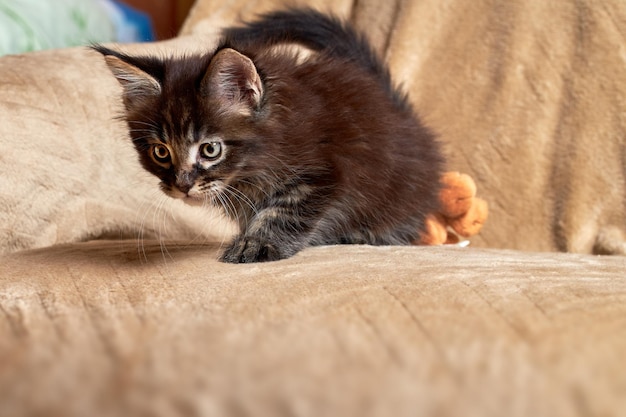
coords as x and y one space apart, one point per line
132 25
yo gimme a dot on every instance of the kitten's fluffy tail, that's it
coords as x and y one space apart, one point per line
314 30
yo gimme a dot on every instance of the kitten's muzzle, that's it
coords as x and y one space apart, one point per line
185 181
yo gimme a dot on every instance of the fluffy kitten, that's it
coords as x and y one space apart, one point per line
299 151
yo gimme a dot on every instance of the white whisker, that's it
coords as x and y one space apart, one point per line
258 187
242 198
159 220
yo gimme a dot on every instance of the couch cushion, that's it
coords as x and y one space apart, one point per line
143 327
521 103
113 328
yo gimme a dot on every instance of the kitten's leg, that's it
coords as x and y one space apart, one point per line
275 233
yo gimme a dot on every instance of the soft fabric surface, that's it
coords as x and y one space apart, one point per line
111 328
529 99
526 98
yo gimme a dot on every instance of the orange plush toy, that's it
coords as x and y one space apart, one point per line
461 215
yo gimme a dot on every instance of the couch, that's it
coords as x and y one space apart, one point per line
112 301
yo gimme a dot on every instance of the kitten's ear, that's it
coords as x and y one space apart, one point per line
233 79
136 83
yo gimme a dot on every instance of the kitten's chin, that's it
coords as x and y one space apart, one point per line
192 199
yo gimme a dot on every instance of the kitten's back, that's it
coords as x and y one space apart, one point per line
317 31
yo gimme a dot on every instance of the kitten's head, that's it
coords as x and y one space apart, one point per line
194 121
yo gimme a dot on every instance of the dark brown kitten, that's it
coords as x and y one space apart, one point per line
300 152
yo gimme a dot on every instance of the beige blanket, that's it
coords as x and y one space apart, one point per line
111 328
528 97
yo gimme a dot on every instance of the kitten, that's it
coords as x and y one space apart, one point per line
299 151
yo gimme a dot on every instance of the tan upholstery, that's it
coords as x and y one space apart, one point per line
529 100
380 332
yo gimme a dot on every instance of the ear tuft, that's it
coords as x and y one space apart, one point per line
136 83
233 79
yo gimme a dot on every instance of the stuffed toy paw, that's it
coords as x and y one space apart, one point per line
461 214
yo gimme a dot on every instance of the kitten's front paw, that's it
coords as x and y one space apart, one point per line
252 249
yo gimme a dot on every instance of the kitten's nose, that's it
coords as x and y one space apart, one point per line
184 181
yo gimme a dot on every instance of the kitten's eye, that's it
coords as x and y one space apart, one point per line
160 154
211 150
